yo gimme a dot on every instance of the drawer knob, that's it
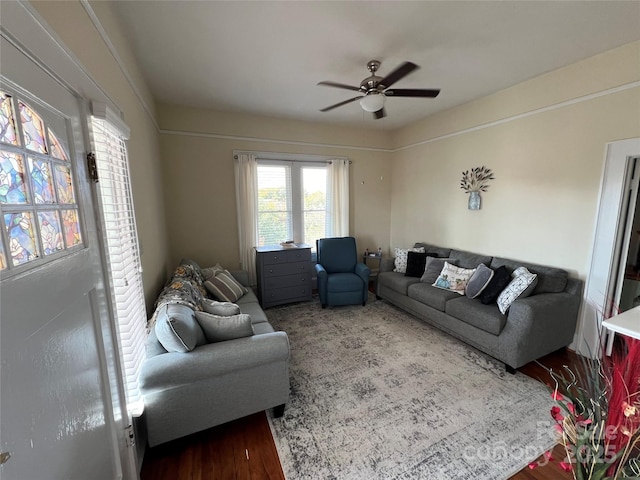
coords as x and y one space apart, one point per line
271 270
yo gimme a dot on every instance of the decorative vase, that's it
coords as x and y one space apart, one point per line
474 200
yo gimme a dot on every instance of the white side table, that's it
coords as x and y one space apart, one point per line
626 323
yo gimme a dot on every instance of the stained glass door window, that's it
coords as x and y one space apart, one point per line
38 206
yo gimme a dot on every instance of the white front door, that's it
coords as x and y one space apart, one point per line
60 410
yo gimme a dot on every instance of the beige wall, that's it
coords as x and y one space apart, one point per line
548 164
197 151
71 22
546 150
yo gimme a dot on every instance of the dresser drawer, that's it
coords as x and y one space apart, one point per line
284 256
282 281
286 295
279 269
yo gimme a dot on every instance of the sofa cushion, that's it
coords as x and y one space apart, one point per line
468 259
433 268
400 260
225 288
484 317
431 296
252 308
224 309
501 278
220 329
454 278
416 262
177 329
550 279
522 285
436 251
479 281
396 281
262 328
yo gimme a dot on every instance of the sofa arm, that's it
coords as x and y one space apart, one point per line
174 369
387 264
537 326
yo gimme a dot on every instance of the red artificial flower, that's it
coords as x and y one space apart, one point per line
567 467
557 395
556 414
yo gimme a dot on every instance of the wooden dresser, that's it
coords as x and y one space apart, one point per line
284 274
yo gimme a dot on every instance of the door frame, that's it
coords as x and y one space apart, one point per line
23 27
602 273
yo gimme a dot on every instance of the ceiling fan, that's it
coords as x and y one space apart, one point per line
375 89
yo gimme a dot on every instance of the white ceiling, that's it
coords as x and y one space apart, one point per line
266 57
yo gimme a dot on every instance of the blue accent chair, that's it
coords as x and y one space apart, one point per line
342 280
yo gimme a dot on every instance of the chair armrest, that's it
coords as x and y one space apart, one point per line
363 272
320 270
171 370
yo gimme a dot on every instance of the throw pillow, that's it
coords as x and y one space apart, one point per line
500 280
479 281
400 262
219 329
416 262
432 269
224 309
210 272
177 329
454 278
224 287
521 286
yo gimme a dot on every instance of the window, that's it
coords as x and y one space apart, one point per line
121 245
293 202
38 202
281 197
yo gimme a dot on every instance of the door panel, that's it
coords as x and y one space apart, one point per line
58 404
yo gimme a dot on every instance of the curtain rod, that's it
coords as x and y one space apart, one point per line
235 157
290 157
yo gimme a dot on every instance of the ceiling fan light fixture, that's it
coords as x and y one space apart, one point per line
372 102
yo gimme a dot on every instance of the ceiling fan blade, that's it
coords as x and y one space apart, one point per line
340 104
339 85
403 70
380 114
412 92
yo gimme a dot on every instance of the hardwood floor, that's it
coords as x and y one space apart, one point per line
244 449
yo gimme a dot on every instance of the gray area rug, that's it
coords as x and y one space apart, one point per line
378 394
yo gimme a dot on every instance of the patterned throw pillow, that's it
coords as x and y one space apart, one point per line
210 272
400 262
521 286
224 309
454 278
224 287
220 329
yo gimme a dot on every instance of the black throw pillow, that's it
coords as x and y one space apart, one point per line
416 262
499 282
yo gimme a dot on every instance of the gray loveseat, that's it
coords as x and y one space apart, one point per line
532 327
215 382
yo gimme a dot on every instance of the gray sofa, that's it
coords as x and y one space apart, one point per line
215 382
532 327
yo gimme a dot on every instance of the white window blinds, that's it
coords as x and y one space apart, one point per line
123 254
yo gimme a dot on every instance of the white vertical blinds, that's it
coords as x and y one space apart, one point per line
123 254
